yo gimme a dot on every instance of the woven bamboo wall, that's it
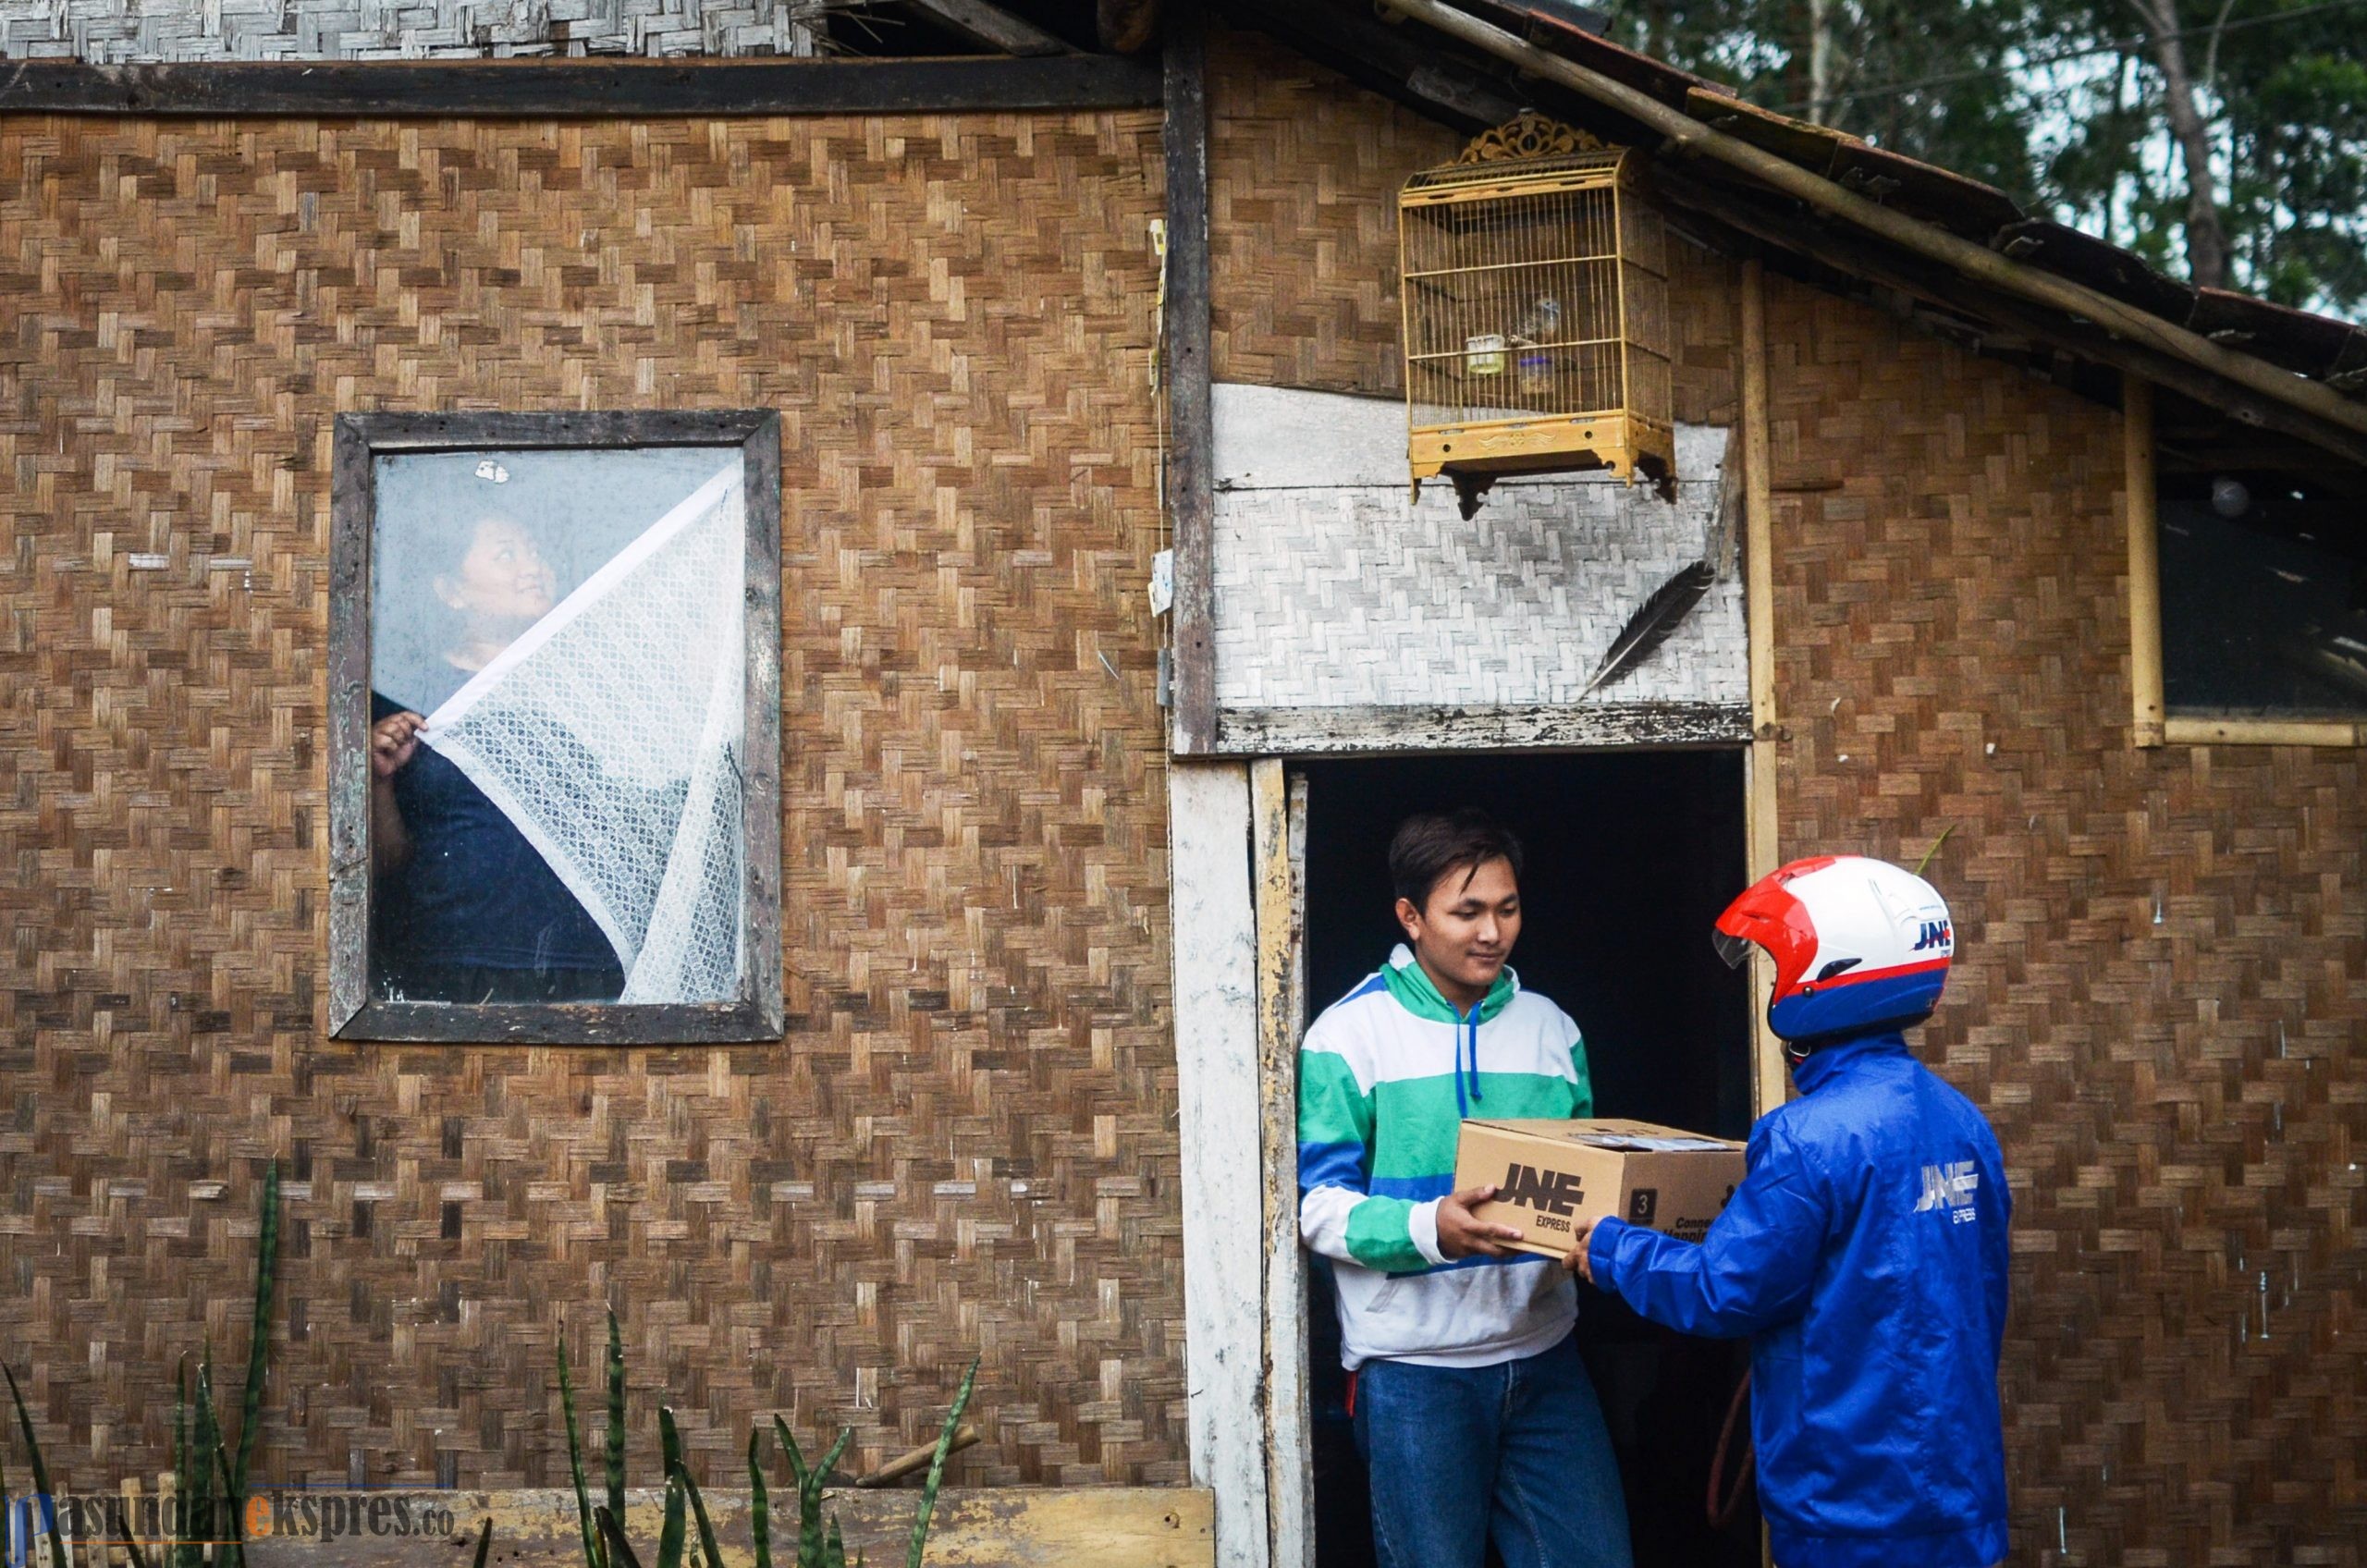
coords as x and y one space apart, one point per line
967 1140
2163 985
140 31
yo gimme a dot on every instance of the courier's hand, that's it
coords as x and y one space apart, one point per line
1576 1260
1460 1235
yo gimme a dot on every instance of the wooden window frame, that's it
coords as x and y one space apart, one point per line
2154 724
354 1014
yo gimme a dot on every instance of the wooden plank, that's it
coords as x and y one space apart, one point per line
991 27
1289 1480
350 520
578 88
1191 493
2140 506
1385 731
1215 923
1770 1081
1000 1527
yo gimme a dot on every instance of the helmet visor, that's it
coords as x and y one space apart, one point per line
1734 949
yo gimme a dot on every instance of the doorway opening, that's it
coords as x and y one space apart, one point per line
1630 856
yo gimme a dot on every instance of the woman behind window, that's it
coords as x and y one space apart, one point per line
466 908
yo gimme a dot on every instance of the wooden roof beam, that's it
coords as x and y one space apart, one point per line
990 27
1685 136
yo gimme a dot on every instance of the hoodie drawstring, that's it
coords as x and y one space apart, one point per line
1461 1105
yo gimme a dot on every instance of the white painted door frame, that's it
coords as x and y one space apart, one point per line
1237 904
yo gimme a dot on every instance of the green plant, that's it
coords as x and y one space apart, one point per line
40 1471
819 1542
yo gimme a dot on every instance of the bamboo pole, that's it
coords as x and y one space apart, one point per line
2247 731
2144 559
1685 134
1769 1085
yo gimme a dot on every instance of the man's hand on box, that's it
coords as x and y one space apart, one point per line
1576 1260
1460 1236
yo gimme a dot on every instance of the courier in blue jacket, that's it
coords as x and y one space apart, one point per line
1865 1252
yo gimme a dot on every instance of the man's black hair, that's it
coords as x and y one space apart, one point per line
1434 845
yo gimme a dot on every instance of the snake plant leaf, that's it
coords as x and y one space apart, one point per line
238 1525
594 1554
620 1550
937 1466
707 1549
673 1532
760 1507
796 1454
485 1541
259 1342
616 1440
45 1500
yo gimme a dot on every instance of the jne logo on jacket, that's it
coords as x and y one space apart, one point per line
1950 1187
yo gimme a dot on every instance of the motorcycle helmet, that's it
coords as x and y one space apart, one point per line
1859 946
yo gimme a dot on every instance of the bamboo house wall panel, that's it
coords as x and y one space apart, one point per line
2182 1102
967 1140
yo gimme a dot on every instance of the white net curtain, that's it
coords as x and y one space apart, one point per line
611 734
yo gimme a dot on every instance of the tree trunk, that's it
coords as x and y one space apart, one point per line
1821 61
2206 242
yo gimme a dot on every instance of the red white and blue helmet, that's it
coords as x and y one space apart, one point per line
1859 946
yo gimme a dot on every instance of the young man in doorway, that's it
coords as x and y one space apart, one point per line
1472 1408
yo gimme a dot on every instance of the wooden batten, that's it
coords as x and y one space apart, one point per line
1191 474
1770 1079
1290 1485
2144 561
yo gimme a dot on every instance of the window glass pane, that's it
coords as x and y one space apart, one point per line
2264 597
557 695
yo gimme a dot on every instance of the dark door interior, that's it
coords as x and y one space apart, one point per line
1630 856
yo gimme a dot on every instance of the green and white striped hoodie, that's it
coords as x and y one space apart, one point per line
1386 1077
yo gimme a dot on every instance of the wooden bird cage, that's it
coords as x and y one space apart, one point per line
1536 300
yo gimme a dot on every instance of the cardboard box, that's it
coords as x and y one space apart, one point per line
1555 1178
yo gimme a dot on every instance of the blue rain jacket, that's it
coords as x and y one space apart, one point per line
1865 1252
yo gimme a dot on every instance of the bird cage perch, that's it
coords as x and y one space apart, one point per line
1536 300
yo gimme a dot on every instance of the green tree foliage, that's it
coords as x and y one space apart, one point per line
2066 104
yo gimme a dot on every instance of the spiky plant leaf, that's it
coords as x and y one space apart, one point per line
182 1551
259 1342
238 1525
760 1507
1934 849
44 1497
616 1419
830 1460
937 1466
205 1435
834 1550
620 1550
594 1556
788 1446
485 1541
673 1532
712 1553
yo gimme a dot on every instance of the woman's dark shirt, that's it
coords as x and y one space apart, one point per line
475 893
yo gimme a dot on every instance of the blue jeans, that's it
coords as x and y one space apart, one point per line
1516 1450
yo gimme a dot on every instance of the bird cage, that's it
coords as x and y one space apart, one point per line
1536 300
